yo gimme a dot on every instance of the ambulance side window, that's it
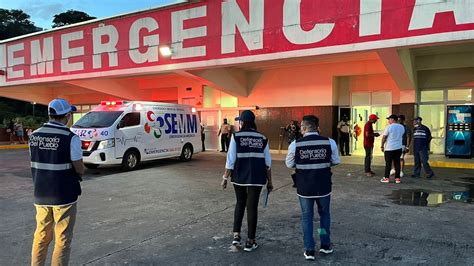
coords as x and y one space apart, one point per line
129 120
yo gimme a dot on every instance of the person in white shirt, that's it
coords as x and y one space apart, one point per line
344 130
392 144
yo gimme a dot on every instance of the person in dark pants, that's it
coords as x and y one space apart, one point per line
248 162
406 142
293 130
392 145
312 156
203 137
344 130
225 132
11 131
369 138
421 148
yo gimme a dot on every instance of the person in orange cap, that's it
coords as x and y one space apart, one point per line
369 138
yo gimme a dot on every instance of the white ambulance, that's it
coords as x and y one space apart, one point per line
127 133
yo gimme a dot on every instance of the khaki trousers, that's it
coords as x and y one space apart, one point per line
58 221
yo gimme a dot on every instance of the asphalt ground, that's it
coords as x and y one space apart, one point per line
170 212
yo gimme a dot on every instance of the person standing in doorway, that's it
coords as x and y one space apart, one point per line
369 139
293 131
225 132
248 164
57 169
421 148
344 136
392 148
312 156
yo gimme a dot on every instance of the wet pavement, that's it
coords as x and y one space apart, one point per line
170 212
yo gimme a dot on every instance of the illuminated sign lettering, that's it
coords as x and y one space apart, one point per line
224 32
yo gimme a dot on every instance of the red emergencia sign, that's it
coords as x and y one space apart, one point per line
226 32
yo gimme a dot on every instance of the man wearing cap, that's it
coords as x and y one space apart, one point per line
369 138
312 156
57 167
421 148
392 145
344 136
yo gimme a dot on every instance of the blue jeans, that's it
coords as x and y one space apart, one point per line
421 158
307 216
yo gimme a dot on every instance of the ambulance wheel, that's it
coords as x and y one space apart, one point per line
130 160
91 166
186 153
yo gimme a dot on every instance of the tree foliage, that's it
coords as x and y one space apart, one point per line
15 23
70 17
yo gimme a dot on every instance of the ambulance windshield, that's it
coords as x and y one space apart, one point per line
97 119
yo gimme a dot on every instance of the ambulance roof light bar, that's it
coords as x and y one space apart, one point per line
113 103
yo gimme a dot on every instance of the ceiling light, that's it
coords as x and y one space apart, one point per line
165 51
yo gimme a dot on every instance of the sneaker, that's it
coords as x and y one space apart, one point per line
236 240
415 176
392 172
430 176
309 254
385 180
398 180
250 246
401 174
369 174
326 249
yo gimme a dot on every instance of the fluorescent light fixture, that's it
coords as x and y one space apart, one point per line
165 51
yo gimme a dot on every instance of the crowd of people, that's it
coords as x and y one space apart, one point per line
57 174
396 142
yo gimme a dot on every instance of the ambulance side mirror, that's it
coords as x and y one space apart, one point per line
121 124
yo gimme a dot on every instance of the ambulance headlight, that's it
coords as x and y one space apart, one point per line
105 144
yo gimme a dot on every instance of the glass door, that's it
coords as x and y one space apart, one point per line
360 115
210 121
434 117
363 105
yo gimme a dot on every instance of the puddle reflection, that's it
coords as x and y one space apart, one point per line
418 197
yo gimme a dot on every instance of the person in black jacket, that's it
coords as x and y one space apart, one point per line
248 164
421 148
312 156
57 167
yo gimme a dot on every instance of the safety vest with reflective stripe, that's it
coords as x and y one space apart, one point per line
55 180
313 166
250 168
